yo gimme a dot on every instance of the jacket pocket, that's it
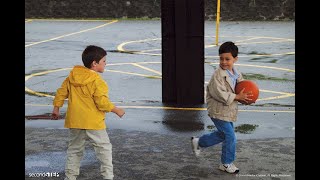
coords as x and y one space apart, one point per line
228 110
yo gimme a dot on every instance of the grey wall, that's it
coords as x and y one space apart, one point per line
231 10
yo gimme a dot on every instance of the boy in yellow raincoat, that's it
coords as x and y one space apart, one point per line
88 102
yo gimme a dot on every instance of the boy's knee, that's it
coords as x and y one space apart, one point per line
230 136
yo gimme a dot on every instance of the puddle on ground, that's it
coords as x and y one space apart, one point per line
54 161
246 128
263 77
211 127
47 93
184 126
243 128
43 116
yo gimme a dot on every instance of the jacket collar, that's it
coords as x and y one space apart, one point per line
225 74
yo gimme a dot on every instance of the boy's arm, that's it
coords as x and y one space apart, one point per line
55 113
119 111
100 96
61 94
102 100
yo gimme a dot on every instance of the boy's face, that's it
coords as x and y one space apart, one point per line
227 61
99 67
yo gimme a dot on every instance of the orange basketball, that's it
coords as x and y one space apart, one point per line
249 86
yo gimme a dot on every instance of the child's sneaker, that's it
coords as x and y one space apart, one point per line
230 168
195 145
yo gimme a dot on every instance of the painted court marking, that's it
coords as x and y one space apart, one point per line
245 40
282 94
174 108
158 76
70 34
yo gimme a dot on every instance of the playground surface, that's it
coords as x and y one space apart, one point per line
152 141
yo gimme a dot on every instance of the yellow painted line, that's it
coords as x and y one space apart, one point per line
252 55
253 37
150 54
269 98
41 105
283 94
271 111
59 37
275 97
261 42
277 92
147 52
267 67
130 63
163 107
243 41
259 55
44 72
148 62
210 45
137 74
120 47
148 69
28 20
259 66
39 74
196 109
247 39
264 42
37 93
150 50
177 108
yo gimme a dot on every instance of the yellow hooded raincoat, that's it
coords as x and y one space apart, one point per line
88 99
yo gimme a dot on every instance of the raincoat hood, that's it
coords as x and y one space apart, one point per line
88 99
80 76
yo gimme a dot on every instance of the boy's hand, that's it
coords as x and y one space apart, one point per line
243 102
119 111
55 113
244 97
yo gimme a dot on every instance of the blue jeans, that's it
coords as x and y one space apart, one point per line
224 134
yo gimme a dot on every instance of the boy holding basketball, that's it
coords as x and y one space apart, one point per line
222 106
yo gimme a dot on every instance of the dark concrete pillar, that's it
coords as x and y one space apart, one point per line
169 89
182 51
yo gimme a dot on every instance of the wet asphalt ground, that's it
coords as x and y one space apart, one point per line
152 141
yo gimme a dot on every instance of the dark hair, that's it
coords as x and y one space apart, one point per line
229 47
92 53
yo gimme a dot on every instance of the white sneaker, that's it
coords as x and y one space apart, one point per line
195 145
230 168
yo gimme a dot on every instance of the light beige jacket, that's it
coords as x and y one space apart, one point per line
220 96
